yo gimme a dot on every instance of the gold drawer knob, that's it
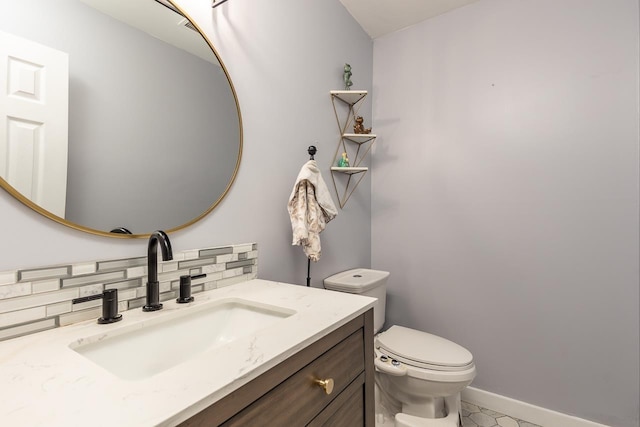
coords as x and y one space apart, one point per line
327 385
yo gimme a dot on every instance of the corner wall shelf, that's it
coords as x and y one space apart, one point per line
359 138
349 170
350 97
358 144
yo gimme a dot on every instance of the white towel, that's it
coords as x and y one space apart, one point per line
310 208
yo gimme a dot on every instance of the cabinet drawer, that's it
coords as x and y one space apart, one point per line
346 410
297 400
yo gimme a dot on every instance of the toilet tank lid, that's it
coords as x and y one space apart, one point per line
356 281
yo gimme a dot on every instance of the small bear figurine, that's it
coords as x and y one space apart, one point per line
359 126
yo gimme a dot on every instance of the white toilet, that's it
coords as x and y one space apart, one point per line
419 376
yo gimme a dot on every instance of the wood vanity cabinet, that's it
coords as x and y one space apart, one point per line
288 394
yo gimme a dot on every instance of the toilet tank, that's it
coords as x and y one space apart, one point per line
371 283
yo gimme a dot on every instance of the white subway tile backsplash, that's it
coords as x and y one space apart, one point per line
199 281
215 251
93 278
29 328
178 256
136 272
135 303
197 262
86 305
214 268
87 291
236 264
15 290
22 316
214 276
168 296
44 273
231 281
80 316
172 275
59 308
242 248
168 266
36 299
46 286
232 273
226 258
121 264
8 277
126 294
83 268
195 254
125 284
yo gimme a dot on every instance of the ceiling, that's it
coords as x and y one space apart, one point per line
158 19
380 17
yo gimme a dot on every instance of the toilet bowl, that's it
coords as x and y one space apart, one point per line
424 372
419 375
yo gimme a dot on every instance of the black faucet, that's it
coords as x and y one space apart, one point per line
153 287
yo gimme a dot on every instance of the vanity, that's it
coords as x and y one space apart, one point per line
308 363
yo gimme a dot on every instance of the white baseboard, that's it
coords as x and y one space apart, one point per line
524 411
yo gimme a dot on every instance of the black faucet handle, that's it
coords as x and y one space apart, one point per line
110 307
185 290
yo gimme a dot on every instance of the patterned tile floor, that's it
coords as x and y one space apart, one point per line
475 416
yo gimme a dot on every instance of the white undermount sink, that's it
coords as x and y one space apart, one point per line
139 351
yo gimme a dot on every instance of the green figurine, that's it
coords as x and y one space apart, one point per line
346 76
343 162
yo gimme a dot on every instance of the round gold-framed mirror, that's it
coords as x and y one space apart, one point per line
143 129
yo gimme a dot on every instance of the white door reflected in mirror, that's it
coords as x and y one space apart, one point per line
34 115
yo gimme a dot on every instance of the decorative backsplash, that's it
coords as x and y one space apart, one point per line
36 299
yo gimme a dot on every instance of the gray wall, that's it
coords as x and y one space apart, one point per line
505 195
283 56
141 113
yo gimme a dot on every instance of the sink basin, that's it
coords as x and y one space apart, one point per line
142 350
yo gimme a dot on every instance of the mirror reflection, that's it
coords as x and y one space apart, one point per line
117 114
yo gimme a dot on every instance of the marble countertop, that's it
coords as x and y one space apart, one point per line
45 383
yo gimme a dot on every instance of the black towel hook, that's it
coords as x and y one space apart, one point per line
312 150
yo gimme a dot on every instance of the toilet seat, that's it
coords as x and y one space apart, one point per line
425 355
402 367
424 350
